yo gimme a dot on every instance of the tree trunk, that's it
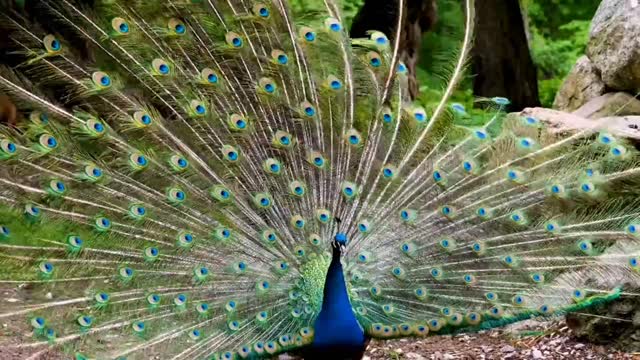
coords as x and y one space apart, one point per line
502 64
419 17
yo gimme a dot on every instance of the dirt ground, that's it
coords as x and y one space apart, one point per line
527 340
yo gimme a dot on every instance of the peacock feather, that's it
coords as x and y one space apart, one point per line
220 180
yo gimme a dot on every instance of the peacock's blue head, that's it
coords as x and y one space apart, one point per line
341 239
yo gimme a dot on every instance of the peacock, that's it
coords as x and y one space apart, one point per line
230 179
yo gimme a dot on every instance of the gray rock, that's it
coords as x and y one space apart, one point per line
537 354
508 348
414 356
636 319
611 104
614 44
558 122
286 357
581 85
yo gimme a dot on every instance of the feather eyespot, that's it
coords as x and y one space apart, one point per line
307 34
92 173
101 80
234 40
178 163
4 232
237 122
374 59
272 166
84 321
261 10
137 211
57 187
389 172
138 161
39 118
307 109
201 273
209 77
176 195
161 67
230 153
500 101
380 39
333 25
185 239
263 200
94 128
47 142
408 215
142 119
323 215
221 193
419 115
298 222
364 226
7 148
402 68
267 86
120 26
349 190
282 139
387 115
297 188
316 159
151 254
606 138
279 57
46 268
333 83
52 44
458 109
197 108
353 137
176 26
102 224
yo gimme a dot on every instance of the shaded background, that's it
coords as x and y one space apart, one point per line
523 48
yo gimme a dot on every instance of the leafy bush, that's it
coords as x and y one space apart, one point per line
559 32
555 56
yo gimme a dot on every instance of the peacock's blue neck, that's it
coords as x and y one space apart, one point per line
337 331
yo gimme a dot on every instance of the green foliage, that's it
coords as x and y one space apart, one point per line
305 7
559 32
549 16
555 56
558 29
